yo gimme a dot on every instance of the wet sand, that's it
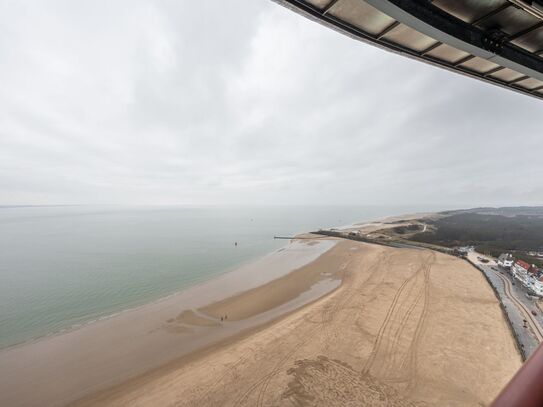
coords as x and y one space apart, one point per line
407 327
59 369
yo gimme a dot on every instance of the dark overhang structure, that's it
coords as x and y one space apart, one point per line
497 41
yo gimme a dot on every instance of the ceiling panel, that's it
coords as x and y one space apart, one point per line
408 37
361 15
530 83
469 10
479 65
507 75
512 20
447 53
532 41
319 3
358 19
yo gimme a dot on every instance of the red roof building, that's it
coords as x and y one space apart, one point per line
523 264
530 269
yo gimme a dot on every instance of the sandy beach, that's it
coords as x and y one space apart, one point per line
406 327
323 321
64 367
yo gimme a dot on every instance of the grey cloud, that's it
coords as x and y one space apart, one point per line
243 102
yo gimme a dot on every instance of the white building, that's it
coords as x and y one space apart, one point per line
520 271
528 275
537 286
505 260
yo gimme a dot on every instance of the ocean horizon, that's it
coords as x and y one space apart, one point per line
64 266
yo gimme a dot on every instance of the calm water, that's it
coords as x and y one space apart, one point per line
63 266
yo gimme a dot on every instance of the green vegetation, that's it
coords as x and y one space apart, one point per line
490 232
407 229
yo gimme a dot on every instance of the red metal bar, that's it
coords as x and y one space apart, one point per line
525 388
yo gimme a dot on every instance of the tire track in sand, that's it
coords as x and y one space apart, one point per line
383 360
421 325
327 317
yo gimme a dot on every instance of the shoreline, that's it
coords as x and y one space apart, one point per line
98 318
158 326
106 316
331 354
96 398
276 316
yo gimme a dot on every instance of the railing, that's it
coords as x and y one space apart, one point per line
525 388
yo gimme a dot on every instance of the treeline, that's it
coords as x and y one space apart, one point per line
536 211
492 234
402 230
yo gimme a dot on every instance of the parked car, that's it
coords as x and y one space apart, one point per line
534 313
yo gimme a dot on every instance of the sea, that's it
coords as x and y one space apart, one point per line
64 266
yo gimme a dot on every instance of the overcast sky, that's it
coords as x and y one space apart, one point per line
243 101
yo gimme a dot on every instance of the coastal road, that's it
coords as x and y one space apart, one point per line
517 305
534 324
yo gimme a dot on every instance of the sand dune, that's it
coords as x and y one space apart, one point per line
406 328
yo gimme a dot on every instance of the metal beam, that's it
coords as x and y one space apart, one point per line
521 78
492 13
314 13
465 59
431 47
438 24
494 70
387 30
329 6
525 31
